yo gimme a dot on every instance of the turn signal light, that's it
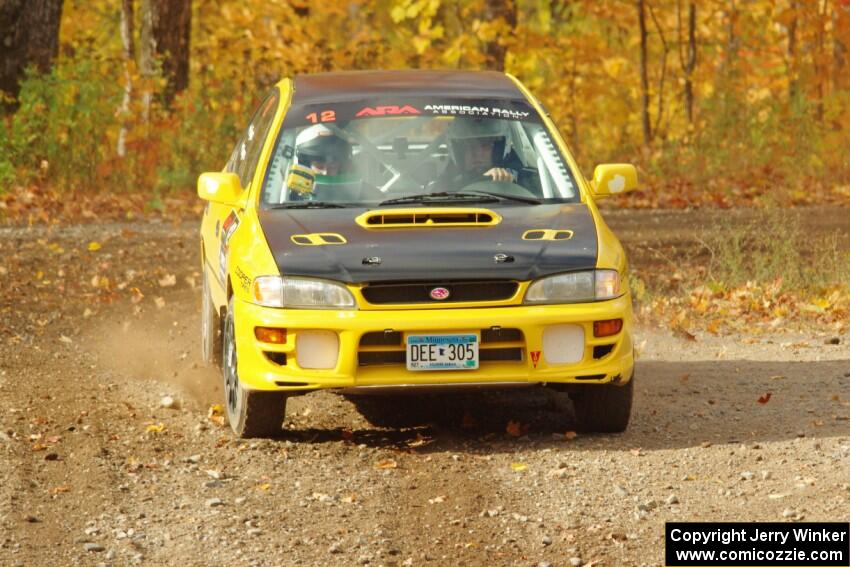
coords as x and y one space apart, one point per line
607 328
270 335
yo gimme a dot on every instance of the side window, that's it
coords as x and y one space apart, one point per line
246 154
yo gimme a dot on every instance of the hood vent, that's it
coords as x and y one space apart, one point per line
547 234
428 218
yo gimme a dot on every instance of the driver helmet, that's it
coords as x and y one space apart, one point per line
319 148
465 131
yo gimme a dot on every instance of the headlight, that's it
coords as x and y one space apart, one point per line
301 293
575 287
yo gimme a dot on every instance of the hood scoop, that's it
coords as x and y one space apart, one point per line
428 218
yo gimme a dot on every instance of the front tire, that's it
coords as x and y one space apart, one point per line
251 413
210 327
603 408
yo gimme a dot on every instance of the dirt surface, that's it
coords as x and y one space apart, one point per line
99 323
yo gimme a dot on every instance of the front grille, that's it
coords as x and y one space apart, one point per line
497 345
419 292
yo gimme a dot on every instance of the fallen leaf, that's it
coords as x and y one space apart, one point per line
61 489
684 378
763 399
419 441
216 414
94 246
155 428
136 295
437 500
570 435
264 487
386 464
64 339
160 302
168 280
514 428
636 452
519 466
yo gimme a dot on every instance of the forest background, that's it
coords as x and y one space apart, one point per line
113 107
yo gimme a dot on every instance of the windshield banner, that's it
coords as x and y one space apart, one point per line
344 112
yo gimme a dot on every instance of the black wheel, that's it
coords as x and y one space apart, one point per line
210 327
603 408
251 413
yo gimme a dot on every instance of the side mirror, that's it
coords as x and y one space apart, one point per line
220 187
613 179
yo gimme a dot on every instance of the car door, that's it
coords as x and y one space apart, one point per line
221 221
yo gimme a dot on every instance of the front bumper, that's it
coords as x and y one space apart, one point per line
515 356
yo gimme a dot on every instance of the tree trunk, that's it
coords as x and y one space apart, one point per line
147 52
496 49
820 61
171 25
644 75
129 55
840 43
793 84
688 60
731 39
29 35
659 111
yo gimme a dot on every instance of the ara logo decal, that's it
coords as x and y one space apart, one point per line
535 358
390 110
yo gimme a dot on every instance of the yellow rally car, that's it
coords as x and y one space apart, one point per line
408 229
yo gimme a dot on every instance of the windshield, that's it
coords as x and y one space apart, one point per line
383 153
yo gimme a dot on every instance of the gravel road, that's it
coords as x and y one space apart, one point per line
111 454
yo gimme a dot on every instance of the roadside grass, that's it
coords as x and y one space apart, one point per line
752 276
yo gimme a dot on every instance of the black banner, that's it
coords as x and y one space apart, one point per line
342 112
809 544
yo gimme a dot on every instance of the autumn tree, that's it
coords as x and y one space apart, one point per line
164 37
503 14
29 36
688 56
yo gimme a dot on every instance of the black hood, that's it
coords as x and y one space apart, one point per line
428 254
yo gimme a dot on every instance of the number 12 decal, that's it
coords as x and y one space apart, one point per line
324 116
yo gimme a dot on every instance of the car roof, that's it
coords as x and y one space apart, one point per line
356 85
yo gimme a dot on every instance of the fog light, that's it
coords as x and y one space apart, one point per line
607 328
316 349
563 344
270 335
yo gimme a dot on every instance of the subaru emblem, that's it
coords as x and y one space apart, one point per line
439 293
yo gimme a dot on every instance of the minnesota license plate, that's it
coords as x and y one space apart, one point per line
442 352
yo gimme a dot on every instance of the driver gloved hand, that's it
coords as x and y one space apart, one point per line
501 174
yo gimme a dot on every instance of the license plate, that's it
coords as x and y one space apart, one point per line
442 352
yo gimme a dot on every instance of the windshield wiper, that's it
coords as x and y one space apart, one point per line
440 197
519 199
308 205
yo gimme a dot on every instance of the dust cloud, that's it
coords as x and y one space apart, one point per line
159 345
